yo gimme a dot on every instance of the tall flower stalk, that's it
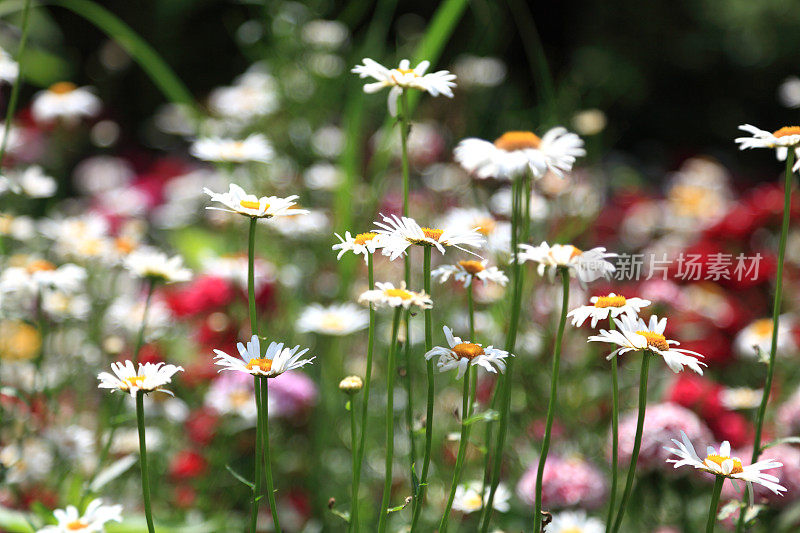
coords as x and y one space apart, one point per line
537 517
614 434
148 512
391 370
712 510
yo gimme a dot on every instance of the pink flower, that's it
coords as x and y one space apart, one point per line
567 482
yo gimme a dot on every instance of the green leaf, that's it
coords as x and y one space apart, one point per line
241 478
348 406
112 472
488 416
784 440
400 507
343 515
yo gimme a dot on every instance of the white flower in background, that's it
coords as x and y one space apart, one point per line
468 498
253 148
38 275
301 223
35 183
323 176
253 94
91 521
586 265
605 307
517 152
757 336
64 100
337 319
149 378
720 463
325 33
236 200
789 92
275 362
26 462
154 265
9 69
575 522
466 271
386 295
76 444
462 354
782 140
740 398
125 314
404 77
64 306
234 269
634 334
126 440
361 244
229 394
474 71
497 232
400 233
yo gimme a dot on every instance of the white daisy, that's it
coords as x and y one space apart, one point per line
253 94
468 498
361 244
386 295
634 334
466 271
720 463
9 69
253 148
338 320
64 100
148 263
586 265
604 307
401 232
236 200
757 336
404 77
782 140
91 521
517 152
739 398
462 354
275 362
497 232
149 378
575 522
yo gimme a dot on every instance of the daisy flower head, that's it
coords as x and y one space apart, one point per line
360 244
634 334
253 148
91 521
575 522
782 140
154 265
516 152
604 307
757 337
586 265
460 355
721 463
149 378
387 295
468 498
337 319
64 100
404 77
468 270
272 364
236 200
9 69
401 232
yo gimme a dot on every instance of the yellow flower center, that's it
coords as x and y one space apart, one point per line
762 327
517 140
787 130
134 381
77 525
362 238
572 529
124 245
432 233
473 267
485 226
40 265
473 502
575 251
655 340
251 204
265 365
63 87
332 322
610 301
719 459
467 350
406 71
398 293
239 398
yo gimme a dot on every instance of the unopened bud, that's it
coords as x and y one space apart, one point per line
351 385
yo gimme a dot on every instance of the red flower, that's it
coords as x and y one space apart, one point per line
184 496
202 426
203 295
187 464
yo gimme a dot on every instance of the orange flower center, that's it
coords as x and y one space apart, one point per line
63 87
432 233
467 350
787 130
610 301
251 204
406 71
655 340
473 267
40 265
124 245
398 293
517 140
135 381
265 365
77 525
485 226
719 459
362 238
762 327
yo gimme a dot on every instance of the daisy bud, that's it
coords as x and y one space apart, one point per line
351 385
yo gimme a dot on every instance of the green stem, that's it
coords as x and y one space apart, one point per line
148 513
462 449
12 102
637 441
354 450
140 338
537 517
614 434
258 482
712 510
251 290
273 507
391 370
405 128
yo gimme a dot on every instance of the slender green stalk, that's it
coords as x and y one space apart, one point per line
264 414
251 275
788 182
614 434
474 384
551 406
391 370
405 128
462 448
148 513
712 510
354 525
12 101
151 285
354 451
637 441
